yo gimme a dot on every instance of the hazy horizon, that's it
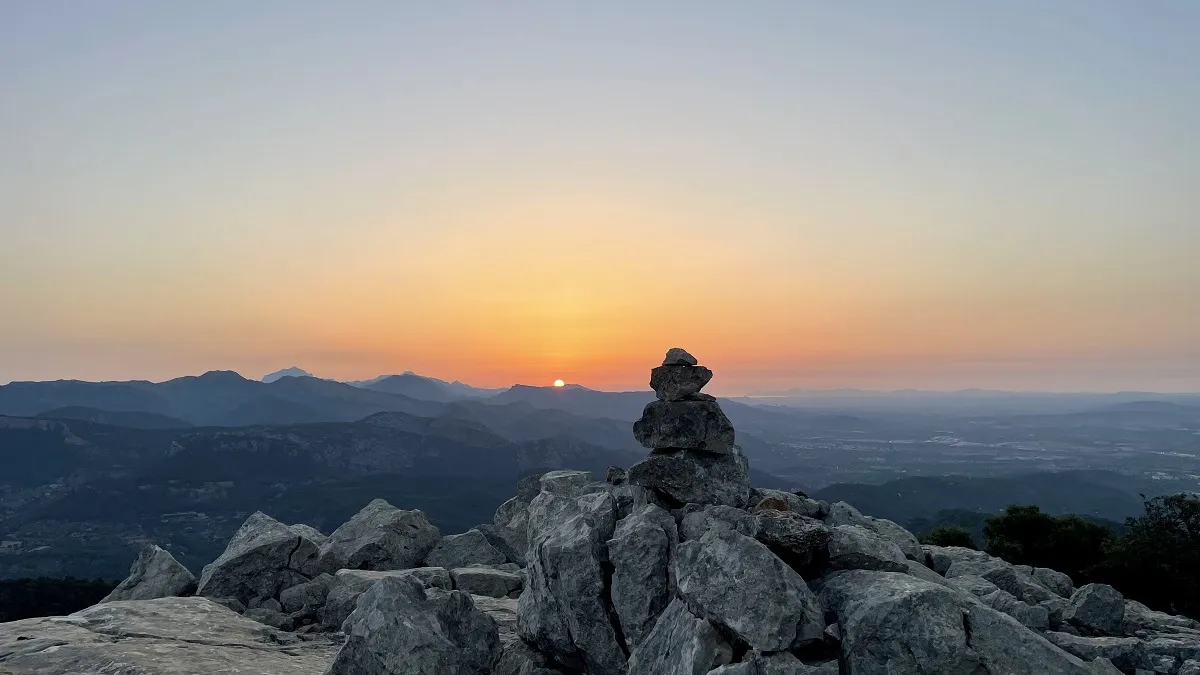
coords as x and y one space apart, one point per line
939 196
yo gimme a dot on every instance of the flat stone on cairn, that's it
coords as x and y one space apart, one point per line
694 458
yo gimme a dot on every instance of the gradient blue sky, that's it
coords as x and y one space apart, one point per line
872 194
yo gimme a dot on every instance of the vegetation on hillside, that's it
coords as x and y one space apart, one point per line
1153 558
28 598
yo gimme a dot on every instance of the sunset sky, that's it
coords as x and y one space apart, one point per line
878 194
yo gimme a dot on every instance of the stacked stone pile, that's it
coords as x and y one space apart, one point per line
676 566
693 457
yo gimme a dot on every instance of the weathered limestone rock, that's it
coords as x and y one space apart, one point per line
1189 667
565 610
1006 646
505 542
504 612
400 628
640 552
488 582
1097 609
380 537
463 550
165 636
154 574
800 541
778 500
308 532
1057 582
310 594
698 520
1124 653
565 482
263 558
348 585
679 644
1034 617
779 663
852 547
841 513
270 617
679 383
736 582
519 658
691 477
679 357
689 425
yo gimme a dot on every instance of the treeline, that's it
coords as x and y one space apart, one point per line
1155 560
29 598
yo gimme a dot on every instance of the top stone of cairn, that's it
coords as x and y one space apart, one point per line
679 357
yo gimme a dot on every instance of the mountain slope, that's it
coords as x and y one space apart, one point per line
116 418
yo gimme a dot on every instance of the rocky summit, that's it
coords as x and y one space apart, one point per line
674 566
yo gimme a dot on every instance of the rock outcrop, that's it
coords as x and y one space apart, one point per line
154 574
380 537
675 566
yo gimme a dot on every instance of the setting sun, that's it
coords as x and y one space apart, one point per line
559 383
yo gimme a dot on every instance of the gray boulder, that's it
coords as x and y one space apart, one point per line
1034 617
1124 653
736 582
1141 619
895 623
503 611
679 357
1055 608
1096 609
567 482
380 537
852 547
692 477
462 550
505 542
154 574
488 582
1057 582
679 644
975 585
309 594
689 425
841 513
1189 667
518 658
400 628
678 383
565 610
164 636
640 552
348 585
698 520
308 532
263 558
1006 646
778 500
800 541
270 617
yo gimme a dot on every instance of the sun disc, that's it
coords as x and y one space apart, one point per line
559 383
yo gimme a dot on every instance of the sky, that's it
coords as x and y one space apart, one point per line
883 195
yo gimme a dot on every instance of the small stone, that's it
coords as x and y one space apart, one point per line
679 383
679 357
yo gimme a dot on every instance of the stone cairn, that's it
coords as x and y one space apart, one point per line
693 456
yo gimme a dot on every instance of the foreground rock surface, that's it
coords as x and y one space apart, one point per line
167 636
399 627
154 574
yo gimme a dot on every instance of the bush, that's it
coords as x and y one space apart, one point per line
1023 535
948 535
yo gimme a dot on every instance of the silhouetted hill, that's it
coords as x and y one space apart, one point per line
906 499
414 386
116 418
294 371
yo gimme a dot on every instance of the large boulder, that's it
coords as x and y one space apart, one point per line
488 582
463 550
154 574
895 623
686 477
736 582
697 424
698 520
852 547
679 644
1124 653
1096 609
168 636
565 611
380 537
399 628
310 594
263 558
1034 617
800 541
1056 582
348 585
841 513
640 552
778 500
